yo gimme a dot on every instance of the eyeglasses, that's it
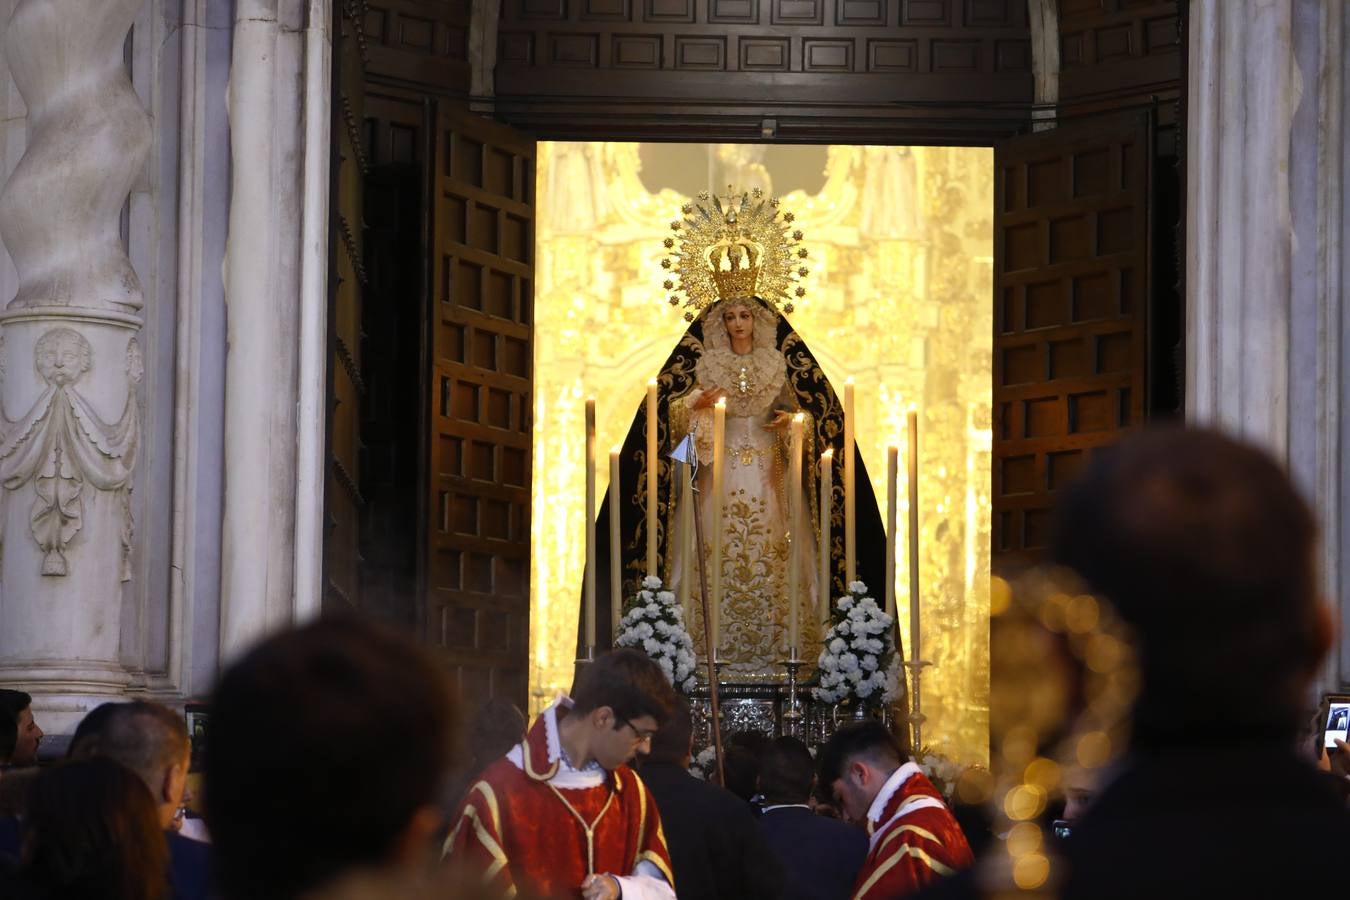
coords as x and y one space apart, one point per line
642 736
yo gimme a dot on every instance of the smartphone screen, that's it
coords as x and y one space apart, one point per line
1338 722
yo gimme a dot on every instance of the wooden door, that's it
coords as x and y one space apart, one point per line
1071 256
482 248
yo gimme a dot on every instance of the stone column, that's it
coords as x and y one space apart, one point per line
276 315
69 355
1268 218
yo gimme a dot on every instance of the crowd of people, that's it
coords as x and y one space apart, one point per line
331 770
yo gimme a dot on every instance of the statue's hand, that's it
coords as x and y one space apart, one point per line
781 420
709 398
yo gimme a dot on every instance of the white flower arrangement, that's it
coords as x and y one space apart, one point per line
654 623
704 764
857 661
941 770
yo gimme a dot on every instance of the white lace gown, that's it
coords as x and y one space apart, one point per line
754 604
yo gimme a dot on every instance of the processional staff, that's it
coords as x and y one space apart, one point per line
685 453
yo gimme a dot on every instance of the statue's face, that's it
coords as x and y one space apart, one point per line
740 323
62 357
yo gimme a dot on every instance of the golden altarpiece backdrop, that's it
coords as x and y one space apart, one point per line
900 301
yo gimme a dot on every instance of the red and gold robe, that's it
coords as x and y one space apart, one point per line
914 838
516 830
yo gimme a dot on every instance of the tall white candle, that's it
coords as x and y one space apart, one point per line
715 504
850 505
615 550
794 530
590 523
912 425
825 587
892 473
653 464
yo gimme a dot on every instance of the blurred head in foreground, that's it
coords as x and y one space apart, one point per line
330 746
93 830
1205 548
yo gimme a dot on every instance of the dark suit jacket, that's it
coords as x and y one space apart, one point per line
11 840
1213 821
714 844
189 868
821 857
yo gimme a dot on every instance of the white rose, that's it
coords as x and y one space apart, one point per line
869 663
846 603
857 587
848 662
665 596
651 582
837 645
854 676
864 688
843 627
650 646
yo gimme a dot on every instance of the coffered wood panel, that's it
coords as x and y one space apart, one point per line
1071 256
1126 50
417 42
478 570
877 66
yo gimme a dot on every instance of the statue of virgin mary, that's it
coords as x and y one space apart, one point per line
738 262
741 363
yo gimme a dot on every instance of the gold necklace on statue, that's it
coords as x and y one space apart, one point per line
743 382
588 830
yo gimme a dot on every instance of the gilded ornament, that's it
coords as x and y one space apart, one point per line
787 308
668 285
731 246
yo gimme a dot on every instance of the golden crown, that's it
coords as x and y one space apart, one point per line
734 246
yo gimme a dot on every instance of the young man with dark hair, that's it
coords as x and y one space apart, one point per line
821 857
330 747
17 707
914 839
715 847
152 741
1203 545
563 812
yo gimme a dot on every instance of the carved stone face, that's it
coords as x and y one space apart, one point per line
62 356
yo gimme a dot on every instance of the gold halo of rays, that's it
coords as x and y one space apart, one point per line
1048 635
743 216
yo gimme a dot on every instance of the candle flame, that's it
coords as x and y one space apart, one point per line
799 417
829 452
722 402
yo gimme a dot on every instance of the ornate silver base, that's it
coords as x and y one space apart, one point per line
765 708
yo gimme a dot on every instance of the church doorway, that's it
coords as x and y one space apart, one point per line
441 265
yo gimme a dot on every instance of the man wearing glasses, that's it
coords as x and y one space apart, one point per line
562 811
